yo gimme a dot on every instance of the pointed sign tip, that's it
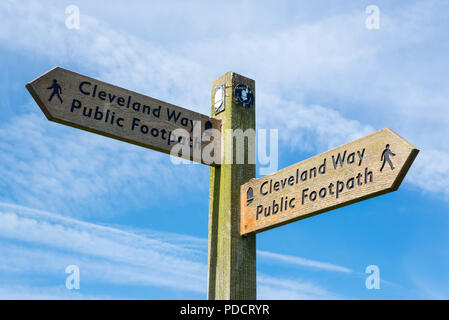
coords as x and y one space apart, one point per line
404 170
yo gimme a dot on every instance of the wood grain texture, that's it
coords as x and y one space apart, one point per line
231 258
339 177
92 105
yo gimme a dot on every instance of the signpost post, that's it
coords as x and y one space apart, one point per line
232 258
239 205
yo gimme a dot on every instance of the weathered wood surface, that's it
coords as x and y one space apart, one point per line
85 103
339 177
231 258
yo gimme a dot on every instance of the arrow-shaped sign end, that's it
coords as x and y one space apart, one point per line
31 89
38 101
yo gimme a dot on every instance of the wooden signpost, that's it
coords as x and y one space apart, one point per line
85 103
362 169
239 205
232 258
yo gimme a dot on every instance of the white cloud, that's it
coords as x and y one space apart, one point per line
50 166
42 243
103 252
25 266
45 293
291 289
431 172
312 127
298 261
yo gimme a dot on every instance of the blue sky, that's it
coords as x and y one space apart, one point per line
136 224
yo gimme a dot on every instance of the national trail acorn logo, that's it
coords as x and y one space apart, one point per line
244 95
249 196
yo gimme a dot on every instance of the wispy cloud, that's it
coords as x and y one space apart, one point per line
291 289
298 261
42 243
311 127
145 259
42 293
48 166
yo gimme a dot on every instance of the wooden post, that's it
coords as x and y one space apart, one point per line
232 258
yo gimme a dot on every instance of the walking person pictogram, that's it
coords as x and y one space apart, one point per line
56 90
386 157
